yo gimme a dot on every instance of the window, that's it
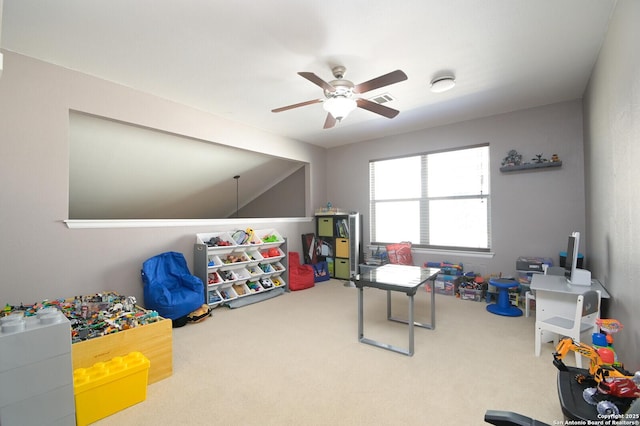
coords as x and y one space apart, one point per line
435 200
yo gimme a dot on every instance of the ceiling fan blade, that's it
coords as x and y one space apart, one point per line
329 122
384 80
301 104
318 81
377 108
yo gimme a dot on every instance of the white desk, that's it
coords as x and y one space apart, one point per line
556 297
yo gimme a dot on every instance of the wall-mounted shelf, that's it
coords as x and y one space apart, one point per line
531 166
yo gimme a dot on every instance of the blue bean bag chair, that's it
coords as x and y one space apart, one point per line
169 287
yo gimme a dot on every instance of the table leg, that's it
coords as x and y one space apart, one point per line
410 320
372 342
431 326
411 323
360 314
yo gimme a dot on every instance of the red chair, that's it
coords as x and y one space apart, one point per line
300 276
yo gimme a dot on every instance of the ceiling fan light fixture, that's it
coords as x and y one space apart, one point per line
339 106
442 84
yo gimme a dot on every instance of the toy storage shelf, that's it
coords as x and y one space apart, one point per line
530 166
232 270
340 243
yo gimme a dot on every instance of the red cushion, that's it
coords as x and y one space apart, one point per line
300 276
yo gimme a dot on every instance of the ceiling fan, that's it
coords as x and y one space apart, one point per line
340 95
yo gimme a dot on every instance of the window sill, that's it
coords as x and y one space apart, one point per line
441 252
168 223
476 254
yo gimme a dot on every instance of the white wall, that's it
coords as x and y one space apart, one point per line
40 258
532 212
612 150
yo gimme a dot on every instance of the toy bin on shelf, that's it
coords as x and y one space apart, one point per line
109 387
269 237
220 242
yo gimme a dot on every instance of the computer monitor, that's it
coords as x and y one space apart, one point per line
573 274
571 262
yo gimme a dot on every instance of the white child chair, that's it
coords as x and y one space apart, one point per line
584 320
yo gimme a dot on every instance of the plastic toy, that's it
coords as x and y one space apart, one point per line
270 238
200 314
614 387
512 158
244 237
539 159
609 327
93 316
218 242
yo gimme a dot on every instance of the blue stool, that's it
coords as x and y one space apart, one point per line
504 307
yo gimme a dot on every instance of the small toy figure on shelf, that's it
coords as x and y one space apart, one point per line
512 158
539 159
555 158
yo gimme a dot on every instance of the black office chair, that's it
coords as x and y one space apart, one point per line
508 418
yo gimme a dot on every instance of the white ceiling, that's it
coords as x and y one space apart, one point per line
239 59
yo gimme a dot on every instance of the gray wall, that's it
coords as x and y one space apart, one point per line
612 151
40 257
532 212
281 200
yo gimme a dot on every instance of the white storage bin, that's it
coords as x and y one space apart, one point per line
255 272
272 254
245 239
228 276
278 281
241 289
242 274
266 283
213 278
254 256
228 293
213 297
278 267
223 237
267 269
254 287
234 260
269 237
213 261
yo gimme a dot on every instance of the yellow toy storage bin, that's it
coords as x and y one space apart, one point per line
108 387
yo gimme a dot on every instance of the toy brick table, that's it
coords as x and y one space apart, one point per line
141 331
153 340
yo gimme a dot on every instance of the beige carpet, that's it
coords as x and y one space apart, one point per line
296 360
